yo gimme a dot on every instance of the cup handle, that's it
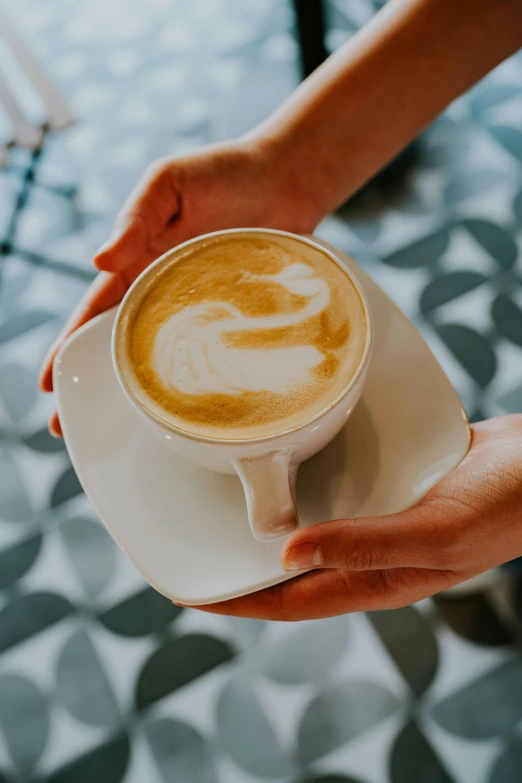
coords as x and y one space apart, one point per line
269 485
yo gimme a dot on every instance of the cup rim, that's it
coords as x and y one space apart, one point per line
168 426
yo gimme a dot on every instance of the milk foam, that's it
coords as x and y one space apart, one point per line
243 335
192 356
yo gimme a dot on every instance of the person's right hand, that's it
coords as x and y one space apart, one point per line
226 186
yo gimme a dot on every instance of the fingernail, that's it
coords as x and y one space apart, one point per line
302 556
115 236
106 246
109 244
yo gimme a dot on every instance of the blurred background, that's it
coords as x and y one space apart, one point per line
102 679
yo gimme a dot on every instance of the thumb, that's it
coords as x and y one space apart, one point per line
153 205
367 543
124 247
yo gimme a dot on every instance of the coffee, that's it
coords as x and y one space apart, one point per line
242 336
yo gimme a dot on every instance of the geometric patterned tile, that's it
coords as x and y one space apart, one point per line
100 677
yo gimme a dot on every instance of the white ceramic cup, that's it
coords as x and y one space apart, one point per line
267 466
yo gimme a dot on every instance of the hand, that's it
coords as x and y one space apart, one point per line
227 186
471 521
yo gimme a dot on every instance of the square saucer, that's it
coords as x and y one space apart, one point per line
186 529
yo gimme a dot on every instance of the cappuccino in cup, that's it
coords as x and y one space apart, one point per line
241 335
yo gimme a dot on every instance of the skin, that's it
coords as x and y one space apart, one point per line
468 523
339 128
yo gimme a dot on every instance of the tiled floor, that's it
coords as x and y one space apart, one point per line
101 678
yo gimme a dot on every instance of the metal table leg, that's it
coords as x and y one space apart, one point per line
311 32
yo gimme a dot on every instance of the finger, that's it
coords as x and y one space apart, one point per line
55 428
105 292
126 245
150 209
483 433
394 541
327 593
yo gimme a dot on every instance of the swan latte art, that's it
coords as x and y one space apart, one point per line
242 336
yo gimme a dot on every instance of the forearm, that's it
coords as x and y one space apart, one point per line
382 88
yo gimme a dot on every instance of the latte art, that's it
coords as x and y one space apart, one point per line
192 356
243 336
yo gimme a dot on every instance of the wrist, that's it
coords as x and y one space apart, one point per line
295 192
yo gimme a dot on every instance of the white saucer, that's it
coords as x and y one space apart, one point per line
186 528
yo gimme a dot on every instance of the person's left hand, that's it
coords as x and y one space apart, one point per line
469 522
